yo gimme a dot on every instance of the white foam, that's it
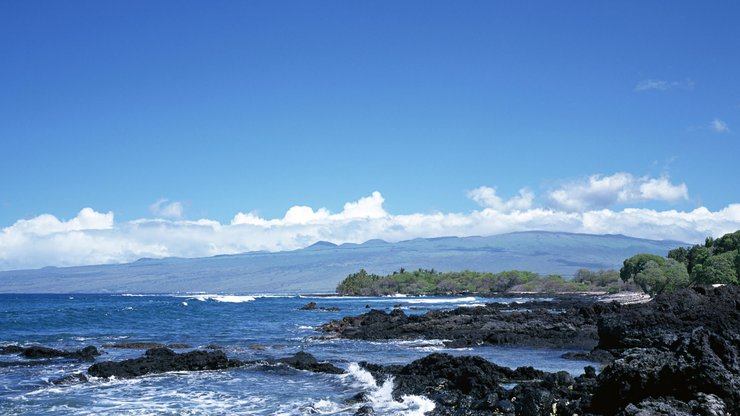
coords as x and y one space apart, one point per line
223 298
381 397
438 300
335 297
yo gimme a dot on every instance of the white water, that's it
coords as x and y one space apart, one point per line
381 397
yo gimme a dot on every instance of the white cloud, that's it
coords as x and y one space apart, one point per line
166 209
364 208
93 237
662 190
600 191
663 85
488 198
719 126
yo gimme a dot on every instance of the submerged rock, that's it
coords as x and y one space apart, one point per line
305 361
40 352
160 360
312 306
146 345
365 410
71 379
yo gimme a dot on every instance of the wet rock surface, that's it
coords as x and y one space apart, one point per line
312 306
568 323
146 345
161 360
685 346
676 355
305 361
40 352
471 385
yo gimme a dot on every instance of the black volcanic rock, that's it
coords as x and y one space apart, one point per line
160 360
312 306
305 361
574 326
70 379
676 355
660 322
11 349
684 345
40 352
146 345
470 385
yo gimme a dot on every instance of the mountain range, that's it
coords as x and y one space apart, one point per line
321 266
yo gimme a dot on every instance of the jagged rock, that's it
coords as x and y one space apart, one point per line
365 410
305 361
575 327
257 347
679 345
596 355
146 345
160 360
312 306
11 349
40 352
676 355
70 379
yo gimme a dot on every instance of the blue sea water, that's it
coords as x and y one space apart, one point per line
248 327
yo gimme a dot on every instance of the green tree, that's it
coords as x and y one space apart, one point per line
655 278
680 254
717 269
728 242
697 255
637 263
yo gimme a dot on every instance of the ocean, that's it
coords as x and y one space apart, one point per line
248 327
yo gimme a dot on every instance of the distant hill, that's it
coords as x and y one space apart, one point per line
321 266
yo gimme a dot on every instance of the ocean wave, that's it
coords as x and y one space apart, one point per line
381 397
222 298
433 300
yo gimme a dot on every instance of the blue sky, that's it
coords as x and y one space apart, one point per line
183 114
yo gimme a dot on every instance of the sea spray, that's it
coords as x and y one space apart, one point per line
381 397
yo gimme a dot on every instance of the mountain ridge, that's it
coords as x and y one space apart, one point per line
322 265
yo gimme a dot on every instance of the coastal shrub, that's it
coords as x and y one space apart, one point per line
637 263
656 278
432 282
721 268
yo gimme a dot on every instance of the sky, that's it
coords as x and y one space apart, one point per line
177 128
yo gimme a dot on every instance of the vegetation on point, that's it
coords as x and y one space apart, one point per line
715 261
432 282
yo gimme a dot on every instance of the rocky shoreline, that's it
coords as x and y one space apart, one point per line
569 322
678 354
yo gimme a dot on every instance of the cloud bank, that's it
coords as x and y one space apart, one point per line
584 206
599 192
